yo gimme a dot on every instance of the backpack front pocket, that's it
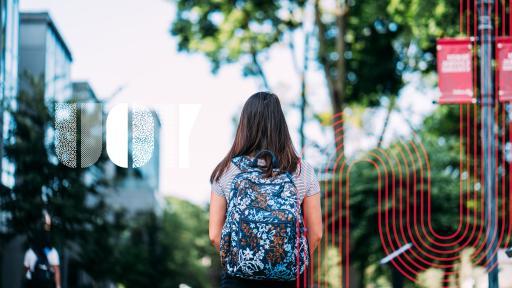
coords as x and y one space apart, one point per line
266 249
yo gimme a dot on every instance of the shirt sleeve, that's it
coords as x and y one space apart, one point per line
310 180
26 260
53 257
222 186
217 189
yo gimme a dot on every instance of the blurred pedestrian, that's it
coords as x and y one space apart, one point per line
42 263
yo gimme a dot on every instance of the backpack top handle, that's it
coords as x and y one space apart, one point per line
275 161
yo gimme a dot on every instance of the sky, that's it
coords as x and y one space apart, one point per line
126 43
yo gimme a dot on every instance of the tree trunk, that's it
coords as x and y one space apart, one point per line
335 81
261 73
303 101
391 107
338 126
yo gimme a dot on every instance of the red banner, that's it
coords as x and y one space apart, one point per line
455 70
504 68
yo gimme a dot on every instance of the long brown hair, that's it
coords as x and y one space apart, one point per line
262 126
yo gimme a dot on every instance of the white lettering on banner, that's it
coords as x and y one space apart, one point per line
462 92
507 63
456 63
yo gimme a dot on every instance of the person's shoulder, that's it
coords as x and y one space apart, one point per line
304 167
29 252
230 172
53 256
53 252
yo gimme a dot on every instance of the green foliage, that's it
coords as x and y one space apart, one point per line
330 271
166 250
228 32
186 231
24 203
426 21
103 239
423 22
405 175
382 40
369 35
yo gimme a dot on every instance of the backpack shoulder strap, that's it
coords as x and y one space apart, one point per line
42 257
242 162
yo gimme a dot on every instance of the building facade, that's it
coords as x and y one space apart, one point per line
34 49
43 53
9 21
9 28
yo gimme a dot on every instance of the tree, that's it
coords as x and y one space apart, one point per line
167 250
41 183
25 202
364 49
350 38
416 28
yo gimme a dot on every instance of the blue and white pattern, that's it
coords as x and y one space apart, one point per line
263 236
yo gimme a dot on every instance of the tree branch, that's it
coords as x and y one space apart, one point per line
261 73
342 11
293 53
408 122
391 107
336 90
322 50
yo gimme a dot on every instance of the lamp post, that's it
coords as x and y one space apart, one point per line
488 134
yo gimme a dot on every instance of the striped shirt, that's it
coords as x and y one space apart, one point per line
304 178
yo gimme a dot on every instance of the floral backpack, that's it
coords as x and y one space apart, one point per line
263 237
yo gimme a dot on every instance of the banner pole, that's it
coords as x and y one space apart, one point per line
488 140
